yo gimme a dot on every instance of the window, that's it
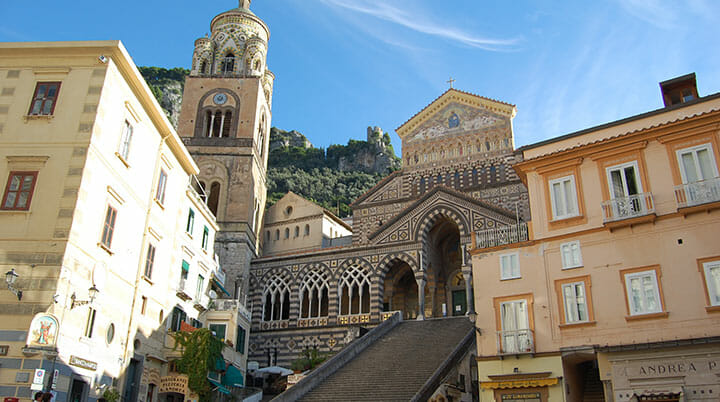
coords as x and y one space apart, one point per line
354 292
515 322
240 340
307 230
624 180
297 231
190 222
563 197
218 330
710 268
643 290
143 305
570 254
177 318
108 227
200 287
19 191
277 234
44 99
205 238
509 266
90 324
149 261
125 138
276 299
160 192
314 295
697 163
287 233
574 300
184 271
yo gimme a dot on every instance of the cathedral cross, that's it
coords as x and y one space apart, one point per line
450 81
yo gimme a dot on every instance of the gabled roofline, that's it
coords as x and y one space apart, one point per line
445 93
447 190
375 188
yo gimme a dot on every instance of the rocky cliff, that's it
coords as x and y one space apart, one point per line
333 178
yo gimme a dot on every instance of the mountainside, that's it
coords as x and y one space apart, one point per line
333 178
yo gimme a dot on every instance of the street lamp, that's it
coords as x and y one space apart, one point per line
92 294
10 278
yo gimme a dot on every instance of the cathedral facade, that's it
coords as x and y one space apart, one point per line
407 250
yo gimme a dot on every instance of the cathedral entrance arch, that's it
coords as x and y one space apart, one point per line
401 290
443 259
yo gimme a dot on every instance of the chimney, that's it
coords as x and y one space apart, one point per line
679 90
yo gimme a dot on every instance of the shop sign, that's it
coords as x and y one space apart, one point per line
82 363
43 331
514 397
541 382
671 367
174 383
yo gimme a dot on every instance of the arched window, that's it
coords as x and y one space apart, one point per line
297 231
261 135
307 230
214 197
457 180
267 235
354 292
218 123
287 233
487 145
314 295
475 177
277 234
276 305
228 63
203 67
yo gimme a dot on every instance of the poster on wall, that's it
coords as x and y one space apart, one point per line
43 331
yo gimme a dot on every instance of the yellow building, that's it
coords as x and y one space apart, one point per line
295 224
612 292
107 240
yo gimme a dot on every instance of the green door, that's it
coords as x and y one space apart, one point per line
459 306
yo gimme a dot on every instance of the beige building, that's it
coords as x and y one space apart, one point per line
611 292
295 224
110 244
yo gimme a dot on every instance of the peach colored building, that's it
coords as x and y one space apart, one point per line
612 292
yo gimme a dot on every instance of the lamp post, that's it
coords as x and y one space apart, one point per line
92 294
10 278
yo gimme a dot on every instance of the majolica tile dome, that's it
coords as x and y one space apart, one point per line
237 45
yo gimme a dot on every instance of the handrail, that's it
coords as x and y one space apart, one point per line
501 235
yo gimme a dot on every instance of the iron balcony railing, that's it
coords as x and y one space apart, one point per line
516 342
231 305
628 207
697 193
501 235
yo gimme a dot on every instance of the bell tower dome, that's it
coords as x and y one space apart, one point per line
225 122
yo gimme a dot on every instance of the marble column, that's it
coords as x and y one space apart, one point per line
421 297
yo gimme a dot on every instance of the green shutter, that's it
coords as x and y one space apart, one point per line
185 266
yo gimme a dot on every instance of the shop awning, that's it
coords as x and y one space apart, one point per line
233 377
219 386
221 287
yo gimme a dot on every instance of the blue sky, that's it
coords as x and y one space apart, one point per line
343 65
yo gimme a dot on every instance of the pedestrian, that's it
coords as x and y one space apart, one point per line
38 396
47 397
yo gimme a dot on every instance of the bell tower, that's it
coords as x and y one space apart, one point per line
225 123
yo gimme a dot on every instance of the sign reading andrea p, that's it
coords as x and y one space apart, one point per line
43 331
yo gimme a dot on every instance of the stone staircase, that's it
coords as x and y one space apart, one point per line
396 366
593 390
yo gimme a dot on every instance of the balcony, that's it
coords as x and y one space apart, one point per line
201 303
516 342
698 194
231 305
501 235
627 211
182 291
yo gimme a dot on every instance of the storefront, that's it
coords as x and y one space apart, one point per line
666 373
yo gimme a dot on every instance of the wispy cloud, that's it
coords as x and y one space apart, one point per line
655 12
419 23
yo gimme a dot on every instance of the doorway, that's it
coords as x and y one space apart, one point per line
78 390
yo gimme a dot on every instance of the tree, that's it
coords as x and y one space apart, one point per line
200 351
